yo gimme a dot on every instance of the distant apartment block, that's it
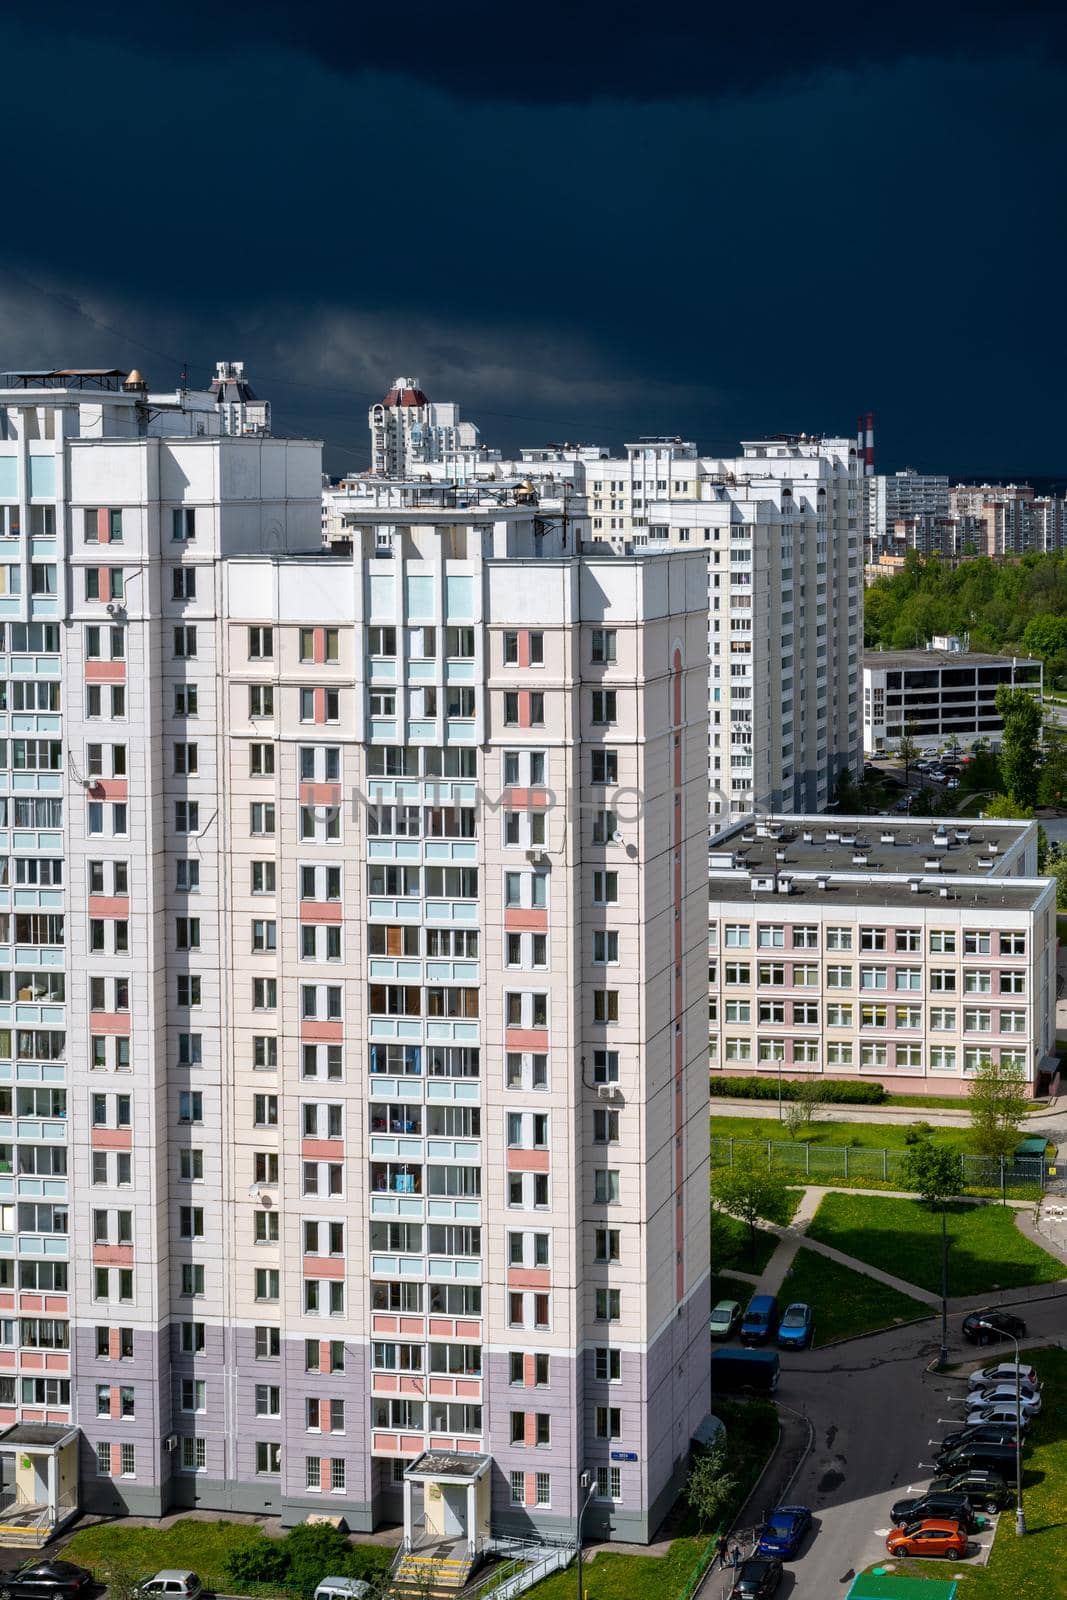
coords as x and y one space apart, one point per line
938 696
903 952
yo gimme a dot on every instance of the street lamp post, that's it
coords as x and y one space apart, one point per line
1020 1515
584 1482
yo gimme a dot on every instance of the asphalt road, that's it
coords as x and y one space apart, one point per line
877 1412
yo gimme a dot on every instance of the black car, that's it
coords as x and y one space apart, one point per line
45 1580
1002 1459
757 1578
980 1433
986 1490
938 1507
1006 1323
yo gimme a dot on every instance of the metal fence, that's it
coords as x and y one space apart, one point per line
817 1163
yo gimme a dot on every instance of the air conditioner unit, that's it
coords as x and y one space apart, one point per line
171 1442
605 1091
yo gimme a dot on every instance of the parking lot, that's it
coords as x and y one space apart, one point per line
878 1413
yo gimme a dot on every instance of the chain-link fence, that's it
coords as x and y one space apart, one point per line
821 1163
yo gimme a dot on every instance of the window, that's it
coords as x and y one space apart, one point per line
183 583
770 938
872 938
1011 944
185 641
609 1483
1013 982
608 1422
185 699
268 1457
268 1343
605 1005
839 938
260 644
260 700
604 706
606 1186
261 760
909 978
977 942
908 941
603 645
604 767
942 941
605 888
942 980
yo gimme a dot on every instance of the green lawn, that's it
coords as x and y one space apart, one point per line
752 1428
203 1546
1032 1568
731 1245
858 1135
845 1303
986 1251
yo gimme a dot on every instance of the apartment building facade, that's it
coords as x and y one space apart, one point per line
902 952
344 926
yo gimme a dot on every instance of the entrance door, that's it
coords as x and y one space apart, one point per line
454 1518
40 1480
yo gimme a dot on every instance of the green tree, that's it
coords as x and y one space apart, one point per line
1020 745
793 1118
122 1582
908 751
1045 635
934 1171
1003 809
748 1191
998 1104
1052 782
809 1095
710 1487
1056 867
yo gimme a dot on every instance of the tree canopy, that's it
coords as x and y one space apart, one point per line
1014 607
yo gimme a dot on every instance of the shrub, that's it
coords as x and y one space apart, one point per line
835 1091
261 1560
313 1551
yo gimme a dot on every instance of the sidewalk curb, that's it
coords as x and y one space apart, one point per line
876 1333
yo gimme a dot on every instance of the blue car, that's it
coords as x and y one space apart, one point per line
796 1327
784 1531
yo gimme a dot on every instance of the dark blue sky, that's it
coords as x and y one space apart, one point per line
578 221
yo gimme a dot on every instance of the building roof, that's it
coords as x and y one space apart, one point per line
448 1464
31 1435
405 392
872 861
942 658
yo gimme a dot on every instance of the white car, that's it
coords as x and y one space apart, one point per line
173 1583
1002 1412
1004 1372
1003 1394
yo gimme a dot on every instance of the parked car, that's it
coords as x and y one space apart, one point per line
943 1506
757 1578
342 1589
784 1532
987 1491
952 783
1004 1322
724 1318
931 1538
175 1581
980 1455
45 1580
760 1321
1003 1412
1004 1394
739 1371
1004 1372
981 1433
796 1327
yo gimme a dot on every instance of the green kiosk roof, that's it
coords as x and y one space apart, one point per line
887 1586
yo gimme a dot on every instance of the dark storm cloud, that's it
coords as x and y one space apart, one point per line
745 250
560 51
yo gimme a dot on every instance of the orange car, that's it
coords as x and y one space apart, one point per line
928 1538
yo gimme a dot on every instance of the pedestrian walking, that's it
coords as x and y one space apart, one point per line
722 1549
735 1556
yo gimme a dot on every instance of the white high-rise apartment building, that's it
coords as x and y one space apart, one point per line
779 529
355 1036
409 431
